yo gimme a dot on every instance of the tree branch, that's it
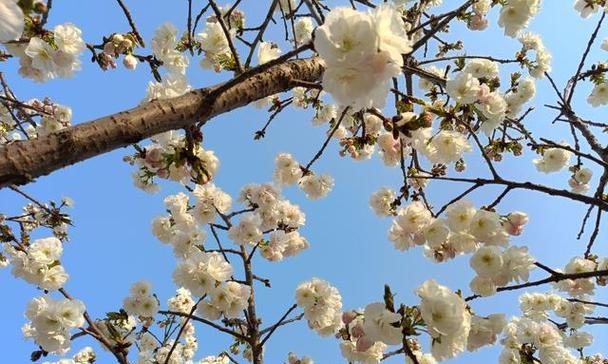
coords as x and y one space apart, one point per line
22 161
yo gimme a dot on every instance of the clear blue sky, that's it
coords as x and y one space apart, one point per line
111 244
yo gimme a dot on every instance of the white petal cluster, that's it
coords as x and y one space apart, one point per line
515 15
159 160
525 91
173 85
382 200
542 61
272 212
267 52
408 227
210 200
586 8
164 46
372 355
357 347
86 355
201 272
287 170
380 324
181 302
303 30
40 265
599 95
469 87
228 299
221 359
464 88
141 302
535 329
57 117
292 358
446 317
447 147
581 287
51 322
322 305
216 47
40 61
362 51
553 160
579 182
485 330
515 222
282 244
180 229
495 267
183 352
12 23
247 231
316 186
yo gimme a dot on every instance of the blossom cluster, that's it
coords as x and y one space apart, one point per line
51 321
362 53
85 356
288 172
39 264
180 228
141 302
367 333
271 213
292 358
165 47
115 46
214 41
582 287
446 317
515 15
464 230
533 333
55 55
151 351
164 158
473 86
322 306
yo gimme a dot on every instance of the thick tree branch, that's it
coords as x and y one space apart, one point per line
22 161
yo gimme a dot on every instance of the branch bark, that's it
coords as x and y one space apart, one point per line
22 161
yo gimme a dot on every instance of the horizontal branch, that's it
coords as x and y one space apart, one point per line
600 203
206 322
22 161
554 278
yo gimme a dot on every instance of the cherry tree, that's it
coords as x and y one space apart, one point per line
392 80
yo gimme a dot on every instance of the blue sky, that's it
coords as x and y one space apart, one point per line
111 245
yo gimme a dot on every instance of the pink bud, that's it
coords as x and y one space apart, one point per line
518 218
109 48
154 158
130 62
478 22
364 343
357 331
163 173
484 94
348 317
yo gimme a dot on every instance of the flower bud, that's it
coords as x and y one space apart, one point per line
130 62
348 317
357 331
364 343
109 48
118 38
